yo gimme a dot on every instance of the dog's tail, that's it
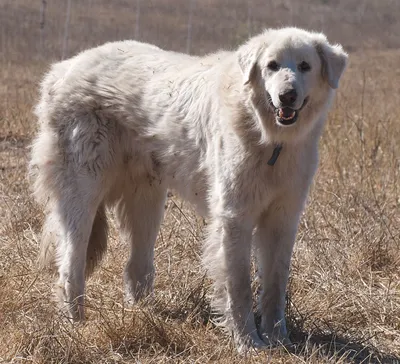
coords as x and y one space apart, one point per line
96 248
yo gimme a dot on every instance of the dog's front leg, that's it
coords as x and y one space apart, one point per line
227 258
274 239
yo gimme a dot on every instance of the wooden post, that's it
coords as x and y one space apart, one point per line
66 30
189 27
137 25
42 23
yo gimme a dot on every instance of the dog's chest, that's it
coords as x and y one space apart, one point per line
262 182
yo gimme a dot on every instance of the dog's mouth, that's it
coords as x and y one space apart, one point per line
286 115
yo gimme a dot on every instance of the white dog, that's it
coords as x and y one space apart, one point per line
234 133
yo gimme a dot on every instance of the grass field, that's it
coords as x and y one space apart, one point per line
344 292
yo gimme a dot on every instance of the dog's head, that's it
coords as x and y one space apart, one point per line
290 73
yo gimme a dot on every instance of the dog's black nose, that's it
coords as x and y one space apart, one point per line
289 97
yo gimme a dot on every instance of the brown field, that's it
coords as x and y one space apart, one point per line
343 302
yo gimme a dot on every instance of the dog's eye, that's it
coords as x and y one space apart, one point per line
273 66
304 67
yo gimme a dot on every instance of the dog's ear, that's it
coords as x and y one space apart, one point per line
333 61
247 56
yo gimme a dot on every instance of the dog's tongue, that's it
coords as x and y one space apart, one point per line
286 112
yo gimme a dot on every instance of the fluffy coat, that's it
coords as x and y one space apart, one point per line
122 123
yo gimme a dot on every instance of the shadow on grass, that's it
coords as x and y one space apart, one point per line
338 347
326 344
193 306
335 346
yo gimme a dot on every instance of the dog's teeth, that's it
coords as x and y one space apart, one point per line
282 116
289 117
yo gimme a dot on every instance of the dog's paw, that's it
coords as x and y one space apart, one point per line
250 343
72 310
131 300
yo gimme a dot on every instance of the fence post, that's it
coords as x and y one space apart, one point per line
137 19
189 27
42 23
249 30
66 29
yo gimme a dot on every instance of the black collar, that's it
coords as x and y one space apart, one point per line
275 155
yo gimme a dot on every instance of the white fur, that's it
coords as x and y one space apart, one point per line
121 123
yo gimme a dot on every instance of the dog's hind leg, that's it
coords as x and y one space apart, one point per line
76 209
139 213
73 159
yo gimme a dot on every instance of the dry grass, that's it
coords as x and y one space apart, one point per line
344 291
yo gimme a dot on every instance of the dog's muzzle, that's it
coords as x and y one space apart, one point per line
286 115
